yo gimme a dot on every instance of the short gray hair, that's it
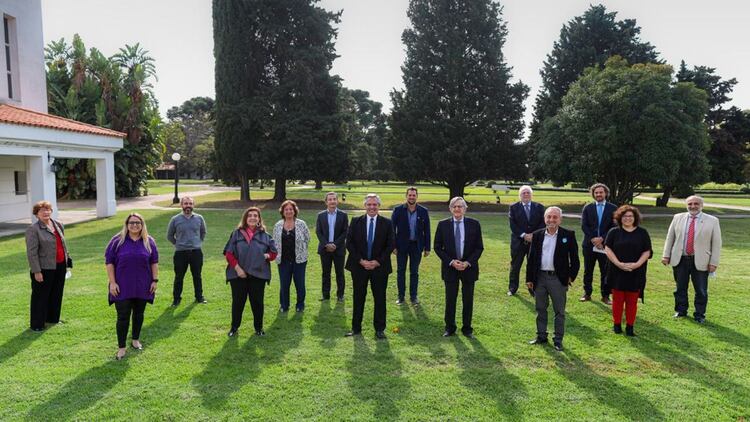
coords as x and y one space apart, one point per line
335 195
456 199
523 188
371 195
551 209
694 197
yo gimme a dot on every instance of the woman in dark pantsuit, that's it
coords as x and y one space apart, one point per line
47 253
248 253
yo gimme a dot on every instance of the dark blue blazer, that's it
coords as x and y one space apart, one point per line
519 224
339 231
445 248
382 245
566 260
590 222
400 219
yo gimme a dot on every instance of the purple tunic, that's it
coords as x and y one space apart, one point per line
132 268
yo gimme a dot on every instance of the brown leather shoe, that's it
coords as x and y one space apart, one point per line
606 301
585 298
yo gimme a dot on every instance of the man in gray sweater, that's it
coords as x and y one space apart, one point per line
186 231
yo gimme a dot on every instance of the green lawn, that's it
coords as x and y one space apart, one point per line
305 369
160 186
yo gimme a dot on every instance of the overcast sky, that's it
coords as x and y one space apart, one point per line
179 35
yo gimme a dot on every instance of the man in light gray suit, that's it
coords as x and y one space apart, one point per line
693 249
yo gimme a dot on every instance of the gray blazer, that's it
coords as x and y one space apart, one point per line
41 246
250 255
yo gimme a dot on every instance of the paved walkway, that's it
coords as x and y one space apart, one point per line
705 204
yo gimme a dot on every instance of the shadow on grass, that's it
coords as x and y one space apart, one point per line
728 335
330 323
675 359
235 366
82 392
573 327
18 343
88 388
485 374
376 377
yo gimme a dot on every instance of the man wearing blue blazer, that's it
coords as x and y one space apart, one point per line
411 224
458 244
596 220
330 228
525 217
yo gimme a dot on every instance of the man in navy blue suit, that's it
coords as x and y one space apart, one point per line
525 217
411 223
596 220
458 244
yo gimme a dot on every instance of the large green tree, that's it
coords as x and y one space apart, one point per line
113 92
277 104
366 131
458 115
629 127
726 127
585 41
195 118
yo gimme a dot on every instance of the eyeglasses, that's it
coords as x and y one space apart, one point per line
134 223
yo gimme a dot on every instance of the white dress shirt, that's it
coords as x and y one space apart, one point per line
548 251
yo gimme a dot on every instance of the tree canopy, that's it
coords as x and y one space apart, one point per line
629 127
458 116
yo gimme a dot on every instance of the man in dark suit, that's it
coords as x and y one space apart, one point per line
458 244
331 227
596 220
551 267
370 242
411 224
525 217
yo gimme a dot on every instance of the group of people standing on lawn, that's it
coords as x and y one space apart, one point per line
613 237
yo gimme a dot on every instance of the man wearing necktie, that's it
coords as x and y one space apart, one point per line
693 249
370 242
596 220
525 217
458 244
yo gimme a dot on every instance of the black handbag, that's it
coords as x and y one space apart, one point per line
69 263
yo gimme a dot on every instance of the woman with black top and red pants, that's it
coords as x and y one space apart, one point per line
628 248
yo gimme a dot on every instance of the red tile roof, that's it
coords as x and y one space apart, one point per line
21 116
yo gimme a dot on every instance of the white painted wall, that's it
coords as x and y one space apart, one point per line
12 206
28 57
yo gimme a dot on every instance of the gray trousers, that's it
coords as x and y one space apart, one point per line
549 286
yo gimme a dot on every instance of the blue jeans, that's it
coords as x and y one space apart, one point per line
287 271
414 255
683 272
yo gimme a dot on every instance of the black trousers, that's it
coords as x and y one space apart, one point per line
467 300
590 258
516 260
244 289
46 297
378 280
126 309
327 260
182 260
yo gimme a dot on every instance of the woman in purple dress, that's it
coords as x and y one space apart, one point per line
133 269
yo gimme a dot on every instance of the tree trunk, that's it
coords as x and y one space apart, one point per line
456 189
664 200
244 188
279 190
318 185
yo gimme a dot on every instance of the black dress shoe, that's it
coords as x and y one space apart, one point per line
400 301
679 315
538 340
340 299
201 300
352 333
323 299
469 334
700 320
260 333
232 332
379 335
617 328
37 329
558 346
415 301
629 331
449 333
176 303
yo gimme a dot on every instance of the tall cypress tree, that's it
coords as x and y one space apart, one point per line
459 114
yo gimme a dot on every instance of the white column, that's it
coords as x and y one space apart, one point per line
42 179
106 206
